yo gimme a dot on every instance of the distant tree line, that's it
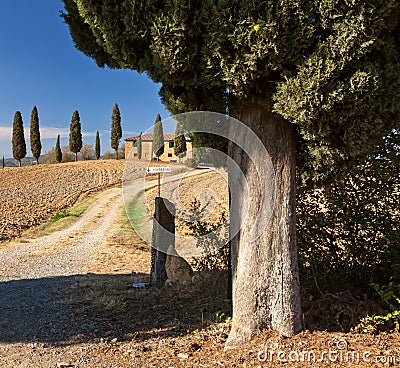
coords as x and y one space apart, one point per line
76 148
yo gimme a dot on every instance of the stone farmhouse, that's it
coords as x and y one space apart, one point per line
131 147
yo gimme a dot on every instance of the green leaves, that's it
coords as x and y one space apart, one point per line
158 139
18 138
75 134
58 152
351 229
331 66
36 145
116 129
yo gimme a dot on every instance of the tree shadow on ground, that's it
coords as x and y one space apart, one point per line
88 308
101 307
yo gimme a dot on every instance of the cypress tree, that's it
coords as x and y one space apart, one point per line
75 134
314 80
139 146
158 138
18 138
116 130
36 145
97 146
179 140
58 151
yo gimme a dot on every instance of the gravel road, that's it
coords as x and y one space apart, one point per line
40 325
34 275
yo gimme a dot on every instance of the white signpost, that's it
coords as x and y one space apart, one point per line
158 170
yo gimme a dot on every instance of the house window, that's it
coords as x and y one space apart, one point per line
171 144
169 154
135 155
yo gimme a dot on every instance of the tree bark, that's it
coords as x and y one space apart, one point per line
266 291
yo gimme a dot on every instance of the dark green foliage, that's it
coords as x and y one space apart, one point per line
18 138
211 237
97 146
36 145
179 140
75 134
389 317
158 139
58 152
139 146
352 229
116 130
331 67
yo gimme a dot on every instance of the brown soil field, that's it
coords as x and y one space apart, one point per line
208 187
31 195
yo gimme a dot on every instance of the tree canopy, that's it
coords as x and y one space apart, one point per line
18 138
36 145
116 130
158 139
331 67
58 152
75 134
180 140
97 146
139 147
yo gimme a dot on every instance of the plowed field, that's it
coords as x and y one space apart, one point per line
31 195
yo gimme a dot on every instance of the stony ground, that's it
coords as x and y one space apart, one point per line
64 302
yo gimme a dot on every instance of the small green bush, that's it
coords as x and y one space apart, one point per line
389 316
60 215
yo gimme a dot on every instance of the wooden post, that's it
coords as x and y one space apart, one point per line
159 184
163 237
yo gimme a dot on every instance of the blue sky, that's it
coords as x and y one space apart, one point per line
40 66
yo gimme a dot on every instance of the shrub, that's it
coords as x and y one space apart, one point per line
390 314
350 231
214 247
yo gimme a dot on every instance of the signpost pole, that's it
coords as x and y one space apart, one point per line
159 184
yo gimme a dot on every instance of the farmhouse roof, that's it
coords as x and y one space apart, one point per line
149 137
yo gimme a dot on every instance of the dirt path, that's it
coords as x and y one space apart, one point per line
40 326
34 275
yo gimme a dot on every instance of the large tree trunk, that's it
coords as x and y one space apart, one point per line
266 292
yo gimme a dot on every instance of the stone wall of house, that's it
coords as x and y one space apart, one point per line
147 154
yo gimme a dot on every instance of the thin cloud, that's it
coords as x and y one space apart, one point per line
45 133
